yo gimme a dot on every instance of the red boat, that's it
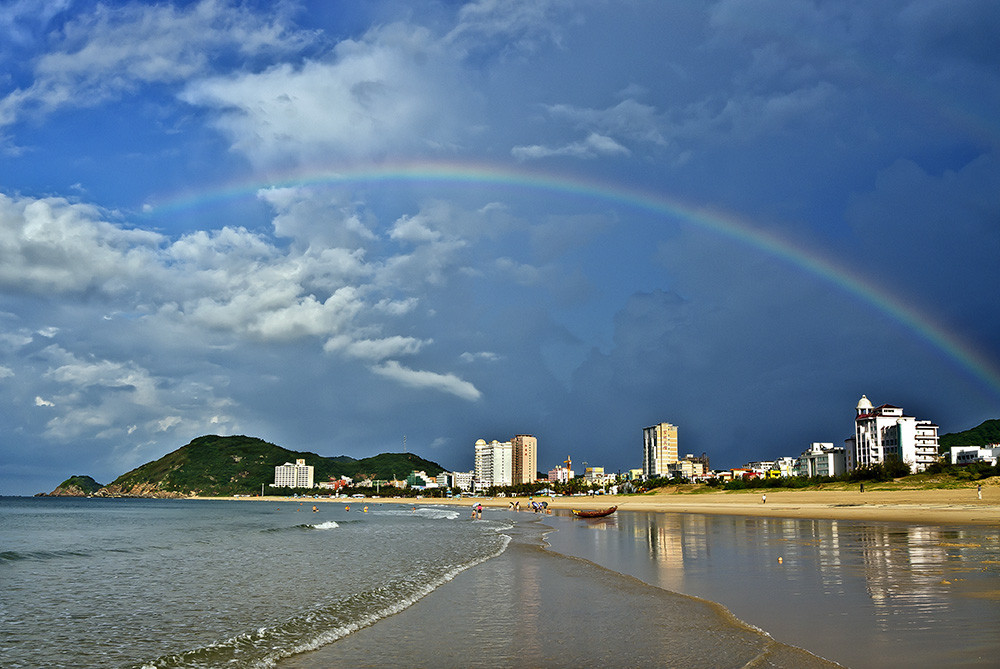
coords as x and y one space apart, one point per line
597 513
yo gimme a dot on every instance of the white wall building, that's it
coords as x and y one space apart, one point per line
822 459
460 480
299 475
966 455
494 464
884 432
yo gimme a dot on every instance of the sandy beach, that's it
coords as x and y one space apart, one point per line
938 506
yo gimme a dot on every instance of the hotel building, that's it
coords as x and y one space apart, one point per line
883 432
494 463
525 467
659 449
299 475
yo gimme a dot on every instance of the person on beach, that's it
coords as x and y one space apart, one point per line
862 487
763 498
979 490
479 511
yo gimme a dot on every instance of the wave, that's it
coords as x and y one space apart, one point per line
18 556
264 647
328 525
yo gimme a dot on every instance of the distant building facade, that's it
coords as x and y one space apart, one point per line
560 474
460 480
967 455
822 459
659 449
688 468
883 433
494 464
298 475
525 463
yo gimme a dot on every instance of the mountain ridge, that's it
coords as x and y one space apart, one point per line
213 465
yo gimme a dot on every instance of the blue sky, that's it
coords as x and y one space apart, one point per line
331 224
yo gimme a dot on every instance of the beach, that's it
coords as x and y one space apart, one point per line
938 506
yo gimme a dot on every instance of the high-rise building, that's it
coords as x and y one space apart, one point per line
883 433
525 469
659 449
299 475
494 463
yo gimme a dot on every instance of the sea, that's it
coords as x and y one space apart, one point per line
212 583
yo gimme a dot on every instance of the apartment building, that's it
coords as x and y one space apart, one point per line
659 449
298 475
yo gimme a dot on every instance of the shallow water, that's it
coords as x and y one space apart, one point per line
530 607
863 594
165 583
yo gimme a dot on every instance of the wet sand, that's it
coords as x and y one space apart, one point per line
530 607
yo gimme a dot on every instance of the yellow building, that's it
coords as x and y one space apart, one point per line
659 449
525 458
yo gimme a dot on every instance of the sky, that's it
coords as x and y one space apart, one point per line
355 228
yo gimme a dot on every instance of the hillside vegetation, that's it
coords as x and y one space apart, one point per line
76 486
987 432
214 465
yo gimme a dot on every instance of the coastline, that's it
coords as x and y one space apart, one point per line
936 506
534 607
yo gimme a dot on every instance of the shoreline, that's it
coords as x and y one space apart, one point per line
936 506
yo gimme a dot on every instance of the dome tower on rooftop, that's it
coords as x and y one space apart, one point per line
864 405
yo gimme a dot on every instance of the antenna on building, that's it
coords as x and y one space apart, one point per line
404 443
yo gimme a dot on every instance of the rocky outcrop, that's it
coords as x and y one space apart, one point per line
68 491
137 490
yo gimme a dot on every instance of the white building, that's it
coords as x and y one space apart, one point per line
460 480
594 475
966 455
883 432
494 464
786 465
659 449
299 475
822 459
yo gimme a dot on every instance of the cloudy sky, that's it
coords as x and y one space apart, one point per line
335 224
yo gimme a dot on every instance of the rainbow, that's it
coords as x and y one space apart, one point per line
714 220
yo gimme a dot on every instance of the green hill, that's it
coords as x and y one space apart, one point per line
76 486
214 465
988 432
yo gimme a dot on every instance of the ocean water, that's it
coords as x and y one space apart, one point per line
187 583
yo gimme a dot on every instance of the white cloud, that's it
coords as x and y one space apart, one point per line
51 244
6 372
105 54
517 25
376 349
488 356
168 423
40 402
376 95
594 146
448 383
